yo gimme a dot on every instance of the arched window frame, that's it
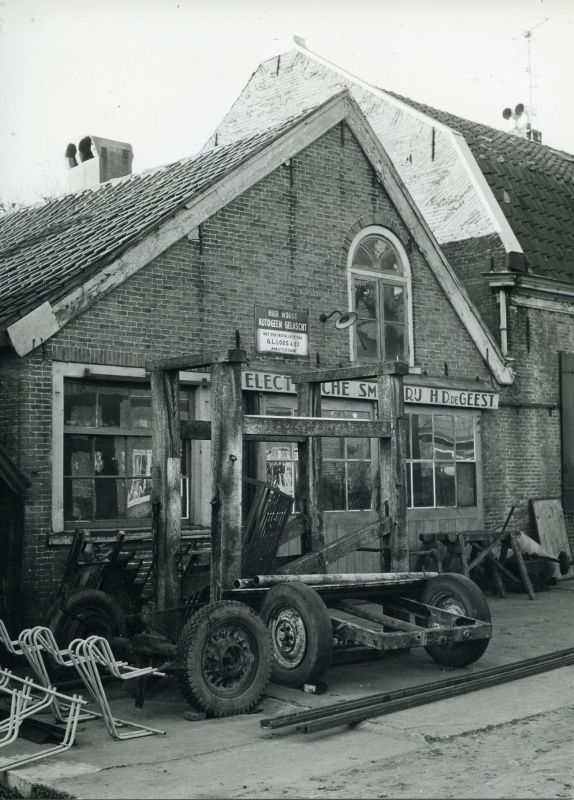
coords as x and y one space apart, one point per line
386 277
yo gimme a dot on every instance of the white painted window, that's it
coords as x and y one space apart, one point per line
380 294
441 460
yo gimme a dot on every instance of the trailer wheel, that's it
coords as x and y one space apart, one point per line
224 659
301 633
457 593
85 612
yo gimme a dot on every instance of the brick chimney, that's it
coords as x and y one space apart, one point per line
100 160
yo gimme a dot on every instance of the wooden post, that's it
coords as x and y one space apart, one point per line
226 464
166 490
392 464
309 405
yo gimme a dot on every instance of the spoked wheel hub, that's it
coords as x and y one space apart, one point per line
228 659
288 636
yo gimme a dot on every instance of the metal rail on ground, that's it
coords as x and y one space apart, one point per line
353 711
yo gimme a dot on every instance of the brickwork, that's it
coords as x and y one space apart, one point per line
284 242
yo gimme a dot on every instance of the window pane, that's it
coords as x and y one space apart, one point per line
78 499
376 252
139 498
278 451
366 298
109 498
113 406
394 303
109 455
362 257
367 337
139 456
422 435
444 437
359 485
394 342
333 485
359 448
333 447
140 404
464 429
281 474
80 405
445 491
78 459
466 483
423 494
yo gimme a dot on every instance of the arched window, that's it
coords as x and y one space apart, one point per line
379 287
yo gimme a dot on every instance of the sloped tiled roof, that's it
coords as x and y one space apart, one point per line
534 185
48 250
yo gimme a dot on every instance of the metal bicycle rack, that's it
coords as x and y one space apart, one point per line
27 699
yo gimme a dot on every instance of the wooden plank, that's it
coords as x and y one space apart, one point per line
318 561
197 360
521 565
226 463
354 372
262 428
270 427
166 495
392 456
551 528
375 613
309 406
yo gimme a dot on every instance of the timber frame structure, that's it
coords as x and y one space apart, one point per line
227 429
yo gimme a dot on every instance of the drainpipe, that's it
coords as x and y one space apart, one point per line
503 322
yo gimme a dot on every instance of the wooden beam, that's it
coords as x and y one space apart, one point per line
226 464
198 360
166 491
352 372
269 427
318 561
292 429
308 406
392 466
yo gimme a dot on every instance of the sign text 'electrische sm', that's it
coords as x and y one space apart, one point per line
281 330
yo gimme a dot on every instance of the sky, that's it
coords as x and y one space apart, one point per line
161 74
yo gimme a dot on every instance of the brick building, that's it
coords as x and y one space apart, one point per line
266 236
502 209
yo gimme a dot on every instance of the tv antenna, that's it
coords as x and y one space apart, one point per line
528 36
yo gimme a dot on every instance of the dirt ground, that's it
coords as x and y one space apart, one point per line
526 758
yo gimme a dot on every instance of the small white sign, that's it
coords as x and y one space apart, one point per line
281 330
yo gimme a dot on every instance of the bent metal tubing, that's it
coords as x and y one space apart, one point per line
31 698
88 655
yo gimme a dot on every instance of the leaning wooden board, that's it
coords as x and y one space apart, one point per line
551 527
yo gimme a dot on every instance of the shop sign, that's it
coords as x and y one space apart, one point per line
270 382
281 330
367 390
462 398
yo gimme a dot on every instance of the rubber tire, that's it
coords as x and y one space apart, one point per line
86 612
452 588
318 647
196 635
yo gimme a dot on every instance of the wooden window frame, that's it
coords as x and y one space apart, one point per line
383 278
